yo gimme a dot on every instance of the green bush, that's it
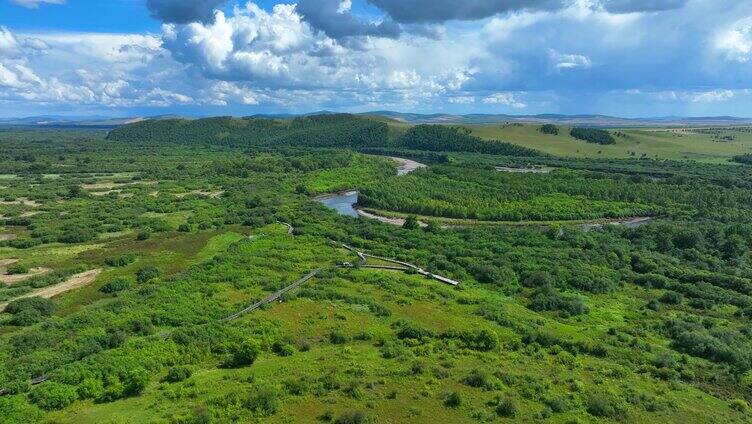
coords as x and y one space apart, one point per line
338 337
135 381
53 396
671 298
121 261
15 410
26 318
507 407
147 274
453 400
477 378
351 417
90 388
17 269
116 285
411 223
264 400
549 129
592 135
113 391
177 373
603 406
245 353
44 307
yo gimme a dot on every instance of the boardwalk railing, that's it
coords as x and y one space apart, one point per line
274 296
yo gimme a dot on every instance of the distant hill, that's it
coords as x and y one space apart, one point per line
413 118
583 120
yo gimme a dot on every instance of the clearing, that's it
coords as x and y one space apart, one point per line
17 278
20 201
72 283
211 194
109 185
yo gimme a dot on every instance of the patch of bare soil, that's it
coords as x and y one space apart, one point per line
210 194
5 263
104 193
20 201
17 278
74 282
386 220
109 185
6 237
154 194
406 166
29 214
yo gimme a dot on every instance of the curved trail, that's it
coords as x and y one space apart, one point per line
362 262
274 296
72 283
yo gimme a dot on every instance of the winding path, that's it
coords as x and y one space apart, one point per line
274 296
72 283
362 262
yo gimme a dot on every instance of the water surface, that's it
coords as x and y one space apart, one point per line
343 203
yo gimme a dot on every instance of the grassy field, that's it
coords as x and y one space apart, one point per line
697 145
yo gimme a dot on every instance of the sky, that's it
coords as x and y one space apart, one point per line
630 58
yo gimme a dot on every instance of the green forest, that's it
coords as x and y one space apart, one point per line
123 253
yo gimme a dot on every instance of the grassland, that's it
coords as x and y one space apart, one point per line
659 143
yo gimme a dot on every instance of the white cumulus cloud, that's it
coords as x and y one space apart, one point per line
507 99
34 4
712 96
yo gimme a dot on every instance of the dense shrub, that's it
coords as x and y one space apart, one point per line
44 307
549 299
338 337
90 388
53 396
147 274
122 260
507 407
549 129
135 381
263 400
177 373
604 406
477 378
116 285
76 234
245 353
17 269
15 410
453 400
592 135
671 298
351 417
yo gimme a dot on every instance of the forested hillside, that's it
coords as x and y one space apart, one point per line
341 130
443 138
313 131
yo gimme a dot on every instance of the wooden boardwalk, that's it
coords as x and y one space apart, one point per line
274 296
363 262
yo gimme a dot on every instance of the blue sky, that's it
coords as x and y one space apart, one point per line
210 57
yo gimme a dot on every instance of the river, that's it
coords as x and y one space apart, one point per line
344 203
